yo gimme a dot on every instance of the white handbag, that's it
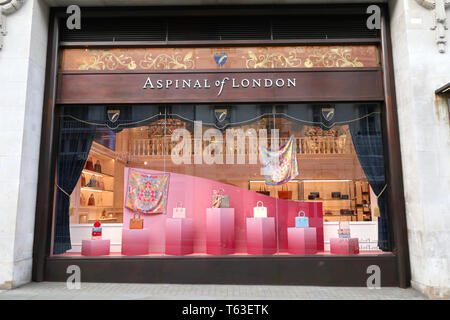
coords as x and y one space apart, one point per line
179 212
260 211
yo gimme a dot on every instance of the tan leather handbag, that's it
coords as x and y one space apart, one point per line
137 223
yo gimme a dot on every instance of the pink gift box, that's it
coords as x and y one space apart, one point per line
135 241
219 231
95 247
261 237
344 245
179 236
302 240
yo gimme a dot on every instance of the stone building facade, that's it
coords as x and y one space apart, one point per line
421 56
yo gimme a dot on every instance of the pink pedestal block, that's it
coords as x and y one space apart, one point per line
261 237
302 240
95 247
135 241
344 245
179 236
219 231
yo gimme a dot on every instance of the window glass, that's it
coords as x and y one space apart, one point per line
241 179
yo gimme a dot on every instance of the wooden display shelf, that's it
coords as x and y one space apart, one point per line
92 172
102 220
95 189
328 200
329 218
95 207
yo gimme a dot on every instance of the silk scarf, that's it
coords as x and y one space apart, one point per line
280 166
147 193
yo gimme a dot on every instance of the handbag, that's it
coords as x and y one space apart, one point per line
301 221
346 212
260 211
264 192
100 183
91 201
82 199
336 195
83 180
219 200
179 212
137 223
286 195
89 165
97 230
315 194
92 183
344 229
98 166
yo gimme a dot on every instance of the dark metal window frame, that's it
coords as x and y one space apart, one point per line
305 270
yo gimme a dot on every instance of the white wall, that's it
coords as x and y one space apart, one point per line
22 69
425 144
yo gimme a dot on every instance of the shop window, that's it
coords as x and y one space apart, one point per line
188 180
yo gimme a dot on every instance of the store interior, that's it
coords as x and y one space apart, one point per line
329 173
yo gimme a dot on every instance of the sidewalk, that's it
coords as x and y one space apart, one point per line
118 291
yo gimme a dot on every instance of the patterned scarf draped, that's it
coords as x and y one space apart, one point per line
280 166
147 193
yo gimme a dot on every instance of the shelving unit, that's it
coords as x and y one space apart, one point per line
332 206
276 191
362 201
103 208
357 206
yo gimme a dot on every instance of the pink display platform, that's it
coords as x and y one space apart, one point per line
344 245
179 236
261 237
219 231
302 240
135 241
97 247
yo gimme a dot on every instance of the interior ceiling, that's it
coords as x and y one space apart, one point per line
91 3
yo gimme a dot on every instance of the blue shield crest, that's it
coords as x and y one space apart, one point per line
220 59
113 115
221 114
328 113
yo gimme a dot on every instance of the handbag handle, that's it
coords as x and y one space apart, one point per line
262 204
300 213
179 204
139 215
219 192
